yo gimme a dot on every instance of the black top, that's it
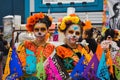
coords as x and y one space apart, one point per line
92 44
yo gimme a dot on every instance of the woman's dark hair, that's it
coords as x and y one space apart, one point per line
109 32
45 20
89 32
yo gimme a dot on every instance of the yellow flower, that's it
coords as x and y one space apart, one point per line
72 17
63 26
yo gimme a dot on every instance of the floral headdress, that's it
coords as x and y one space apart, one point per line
32 20
73 18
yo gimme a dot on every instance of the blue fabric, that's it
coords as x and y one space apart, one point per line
15 66
30 62
102 71
79 68
29 52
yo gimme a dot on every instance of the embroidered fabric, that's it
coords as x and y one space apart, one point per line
11 77
109 62
70 57
32 58
61 69
86 54
31 78
7 69
51 70
40 69
15 65
78 69
21 54
102 71
116 60
68 63
30 62
117 73
91 69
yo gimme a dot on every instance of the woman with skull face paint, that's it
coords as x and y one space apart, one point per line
31 53
71 51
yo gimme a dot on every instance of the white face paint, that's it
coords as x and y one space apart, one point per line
40 30
39 34
73 33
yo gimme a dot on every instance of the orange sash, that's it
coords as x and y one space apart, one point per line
109 61
99 51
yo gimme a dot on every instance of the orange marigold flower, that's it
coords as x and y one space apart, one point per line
29 27
41 15
36 17
31 20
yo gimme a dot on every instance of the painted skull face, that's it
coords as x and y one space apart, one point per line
40 30
73 33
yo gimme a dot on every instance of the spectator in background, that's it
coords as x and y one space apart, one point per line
1 56
116 37
109 43
4 47
88 36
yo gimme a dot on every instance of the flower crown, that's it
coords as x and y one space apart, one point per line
71 18
32 20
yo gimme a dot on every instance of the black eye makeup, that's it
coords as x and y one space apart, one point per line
72 32
42 29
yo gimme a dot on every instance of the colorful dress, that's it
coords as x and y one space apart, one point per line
31 56
70 57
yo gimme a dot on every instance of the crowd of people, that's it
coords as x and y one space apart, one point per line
38 59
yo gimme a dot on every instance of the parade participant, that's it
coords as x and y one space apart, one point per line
32 52
70 52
